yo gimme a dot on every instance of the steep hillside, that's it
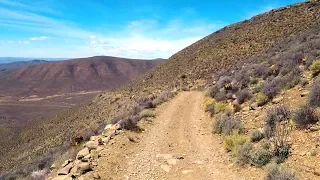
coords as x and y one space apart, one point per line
218 52
87 74
233 44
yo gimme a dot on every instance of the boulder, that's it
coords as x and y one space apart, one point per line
86 158
65 170
65 163
82 153
109 126
63 177
91 145
84 167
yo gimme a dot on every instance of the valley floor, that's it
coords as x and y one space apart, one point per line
177 144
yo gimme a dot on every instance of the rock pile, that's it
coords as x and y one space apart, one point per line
87 158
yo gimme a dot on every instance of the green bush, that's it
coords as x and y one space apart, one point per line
315 67
260 158
261 99
232 142
220 107
256 136
276 172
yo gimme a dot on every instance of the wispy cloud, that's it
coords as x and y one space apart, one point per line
40 38
141 38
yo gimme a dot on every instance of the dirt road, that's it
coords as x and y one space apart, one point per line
178 145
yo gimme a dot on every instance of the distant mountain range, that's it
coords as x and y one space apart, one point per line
17 59
41 77
19 64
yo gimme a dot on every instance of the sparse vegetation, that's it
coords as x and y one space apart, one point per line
146 113
261 99
227 124
315 67
276 172
256 136
234 141
243 154
277 129
314 97
305 116
243 95
260 157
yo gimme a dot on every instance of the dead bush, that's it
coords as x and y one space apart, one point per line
314 97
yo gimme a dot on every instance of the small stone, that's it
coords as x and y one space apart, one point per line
187 171
314 128
82 153
53 167
304 93
96 176
172 161
277 100
165 167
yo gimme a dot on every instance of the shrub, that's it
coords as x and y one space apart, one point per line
256 136
260 157
224 82
147 113
233 141
261 70
277 129
242 78
261 99
271 87
305 116
220 107
243 96
212 91
146 102
227 124
275 115
314 97
315 67
129 123
221 96
243 153
281 153
163 97
276 172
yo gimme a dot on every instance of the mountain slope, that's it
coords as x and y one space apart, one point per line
233 44
87 74
220 51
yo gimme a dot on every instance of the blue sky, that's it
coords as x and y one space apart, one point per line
123 28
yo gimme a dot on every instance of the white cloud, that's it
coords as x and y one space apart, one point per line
144 38
40 38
